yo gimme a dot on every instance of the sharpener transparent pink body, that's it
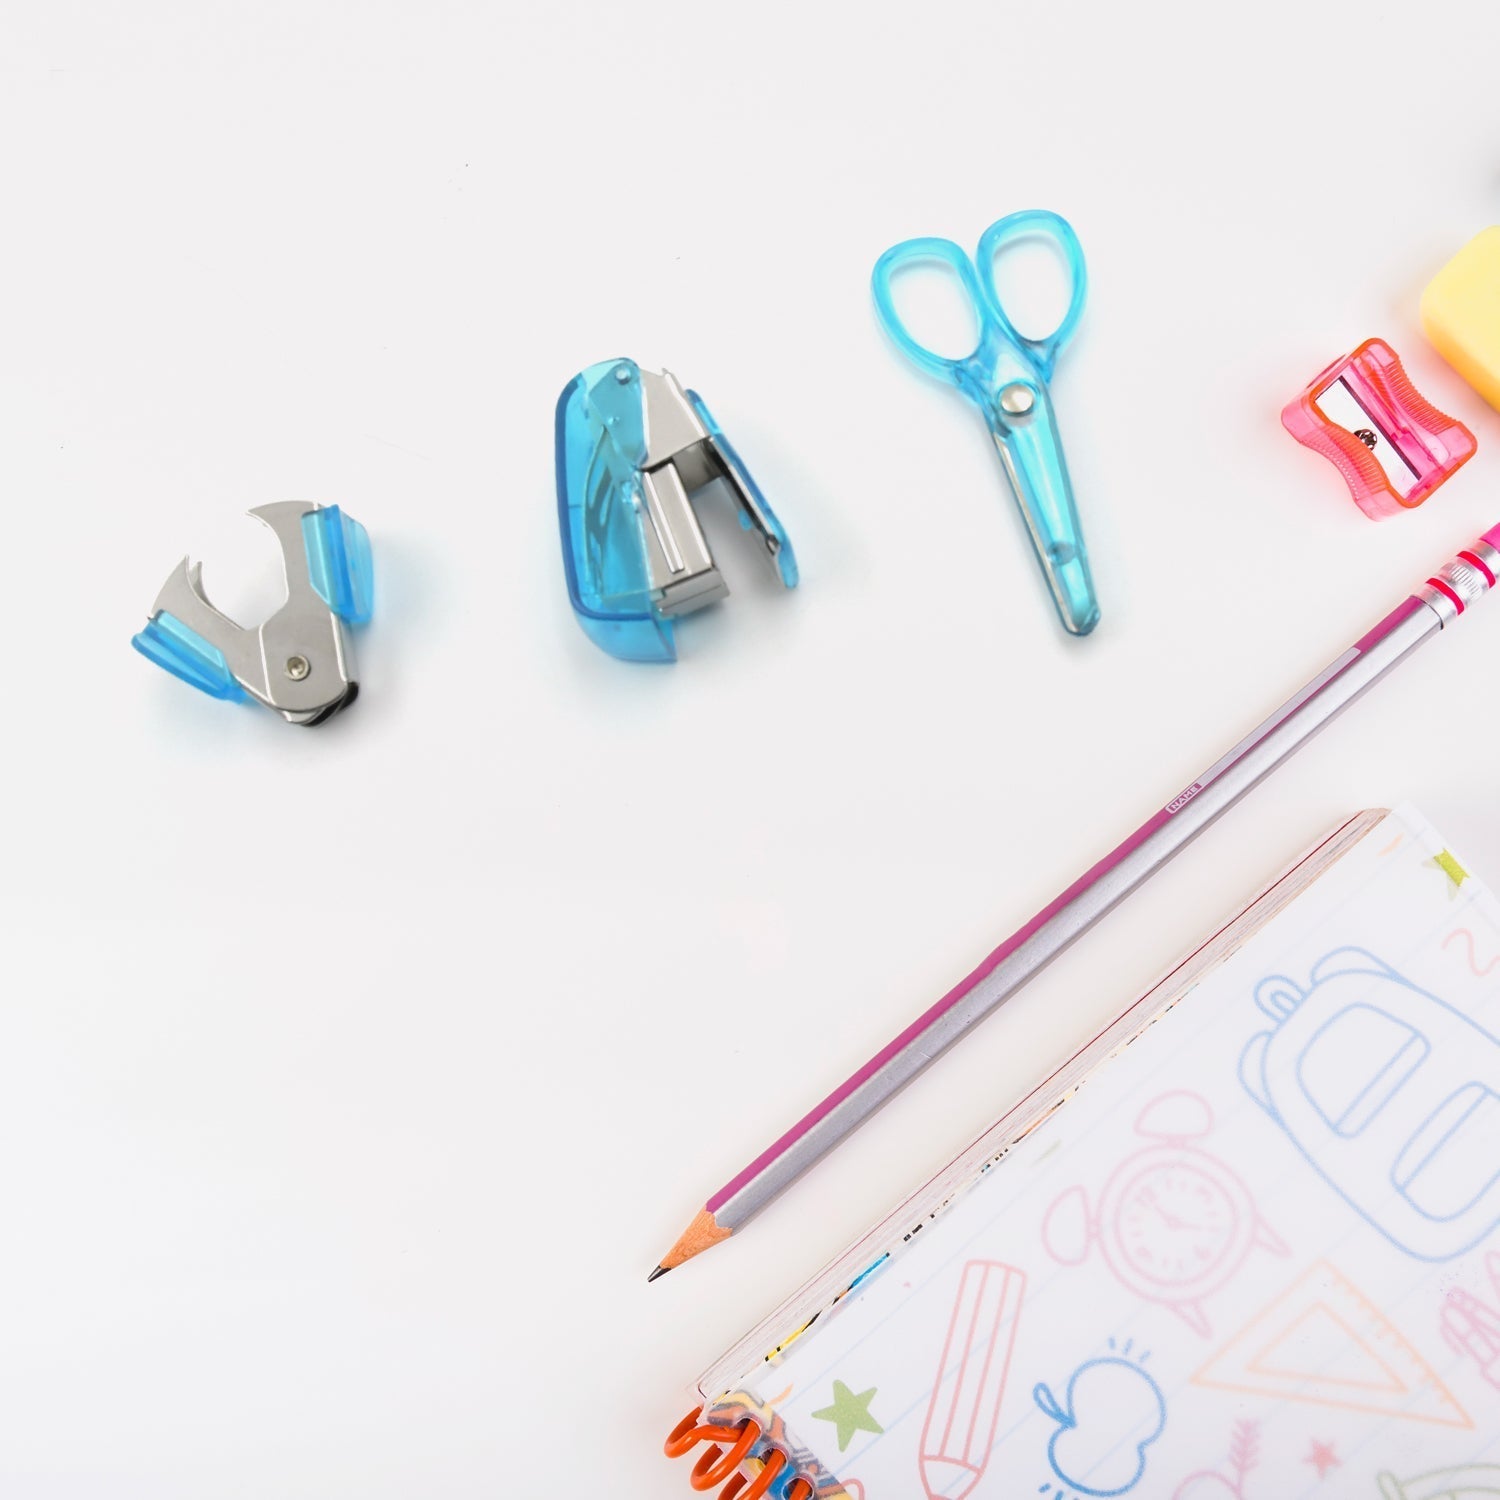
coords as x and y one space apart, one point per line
1431 444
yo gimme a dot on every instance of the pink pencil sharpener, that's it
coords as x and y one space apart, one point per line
1364 415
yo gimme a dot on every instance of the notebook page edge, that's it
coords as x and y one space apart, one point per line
723 1385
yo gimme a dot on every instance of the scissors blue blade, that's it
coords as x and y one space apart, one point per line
1007 376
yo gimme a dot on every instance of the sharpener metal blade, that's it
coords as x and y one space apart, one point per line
1343 408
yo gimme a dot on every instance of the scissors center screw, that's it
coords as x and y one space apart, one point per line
297 667
1017 399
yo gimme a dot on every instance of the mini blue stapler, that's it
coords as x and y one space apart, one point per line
631 446
300 661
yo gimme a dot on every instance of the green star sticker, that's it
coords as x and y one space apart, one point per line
1450 867
849 1413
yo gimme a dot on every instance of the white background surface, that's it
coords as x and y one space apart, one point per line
351 1081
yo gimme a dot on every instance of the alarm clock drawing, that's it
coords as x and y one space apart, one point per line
1173 1223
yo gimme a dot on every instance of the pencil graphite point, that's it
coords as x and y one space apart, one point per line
702 1234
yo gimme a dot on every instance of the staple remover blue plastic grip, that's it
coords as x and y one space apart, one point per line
631 446
1007 376
300 662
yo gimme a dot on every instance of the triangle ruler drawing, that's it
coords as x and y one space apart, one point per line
1324 1342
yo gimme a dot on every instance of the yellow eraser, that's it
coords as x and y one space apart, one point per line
1461 313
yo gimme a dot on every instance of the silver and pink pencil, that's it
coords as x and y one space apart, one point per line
1437 603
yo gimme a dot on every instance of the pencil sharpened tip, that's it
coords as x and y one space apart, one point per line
699 1236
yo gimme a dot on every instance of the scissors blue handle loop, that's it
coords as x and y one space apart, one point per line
1031 222
970 370
1006 376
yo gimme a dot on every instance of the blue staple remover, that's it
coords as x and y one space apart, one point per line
300 661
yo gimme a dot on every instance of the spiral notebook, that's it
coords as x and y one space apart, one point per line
1245 1244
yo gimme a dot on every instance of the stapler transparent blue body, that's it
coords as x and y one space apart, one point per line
631 447
299 662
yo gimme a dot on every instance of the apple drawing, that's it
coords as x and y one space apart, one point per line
1111 1413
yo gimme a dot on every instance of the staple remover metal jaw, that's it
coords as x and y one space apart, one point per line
300 661
631 447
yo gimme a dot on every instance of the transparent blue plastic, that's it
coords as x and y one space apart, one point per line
185 654
601 442
786 559
339 564
1007 377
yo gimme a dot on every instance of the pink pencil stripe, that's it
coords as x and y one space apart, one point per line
1402 611
1442 588
1477 561
932 1012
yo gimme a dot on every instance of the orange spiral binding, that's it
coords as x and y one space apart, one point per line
728 1448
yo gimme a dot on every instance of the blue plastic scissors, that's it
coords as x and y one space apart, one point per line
1006 376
